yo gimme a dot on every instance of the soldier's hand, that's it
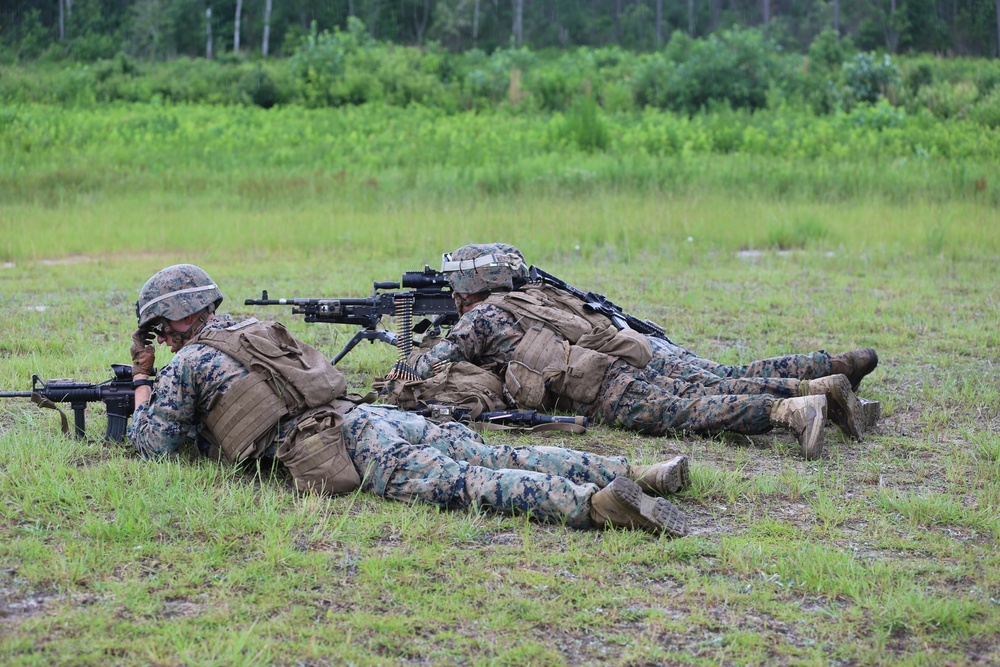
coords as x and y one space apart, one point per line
142 351
427 342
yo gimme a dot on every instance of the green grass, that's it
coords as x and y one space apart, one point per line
883 552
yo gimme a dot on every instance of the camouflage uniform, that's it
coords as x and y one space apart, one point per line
647 399
682 364
400 455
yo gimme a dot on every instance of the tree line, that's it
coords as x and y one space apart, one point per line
165 29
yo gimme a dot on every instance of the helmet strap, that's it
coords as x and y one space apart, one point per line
181 338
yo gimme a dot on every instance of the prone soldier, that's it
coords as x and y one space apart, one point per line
249 390
552 352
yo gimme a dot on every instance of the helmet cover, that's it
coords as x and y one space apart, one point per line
484 267
176 292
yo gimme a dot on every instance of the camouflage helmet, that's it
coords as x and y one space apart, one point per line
484 267
176 292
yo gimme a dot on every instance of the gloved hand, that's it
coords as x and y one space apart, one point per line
143 352
428 341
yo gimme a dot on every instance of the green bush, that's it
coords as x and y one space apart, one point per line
319 60
879 116
584 126
736 67
551 87
258 88
828 51
400 74
947 100
653 82
987 110
919 76
869 78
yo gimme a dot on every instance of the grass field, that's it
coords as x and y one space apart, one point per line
883 552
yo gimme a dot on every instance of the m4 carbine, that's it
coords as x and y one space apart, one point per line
429 295
116 393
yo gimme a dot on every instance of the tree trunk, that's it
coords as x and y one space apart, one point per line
475 22
891 34
267 28
998 28
350 8
618 22
236 26
836 17
420 25
767 11
209 52
62 21
716 14
659 22
691 17
518 22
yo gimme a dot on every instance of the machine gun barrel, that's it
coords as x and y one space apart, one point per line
428 295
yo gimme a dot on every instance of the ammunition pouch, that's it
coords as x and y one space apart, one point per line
315 453
545 367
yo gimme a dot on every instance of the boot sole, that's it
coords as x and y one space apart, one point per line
846 411
811 439
675 476
652 514
872 411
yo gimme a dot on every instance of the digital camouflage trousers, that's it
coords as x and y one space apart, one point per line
403 456
681 364
653 405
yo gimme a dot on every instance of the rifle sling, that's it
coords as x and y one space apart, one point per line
43 402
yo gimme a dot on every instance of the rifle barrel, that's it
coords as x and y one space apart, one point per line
15 394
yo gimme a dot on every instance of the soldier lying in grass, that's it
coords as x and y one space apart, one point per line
249 390
551 352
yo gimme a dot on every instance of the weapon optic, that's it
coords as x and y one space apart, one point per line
428 295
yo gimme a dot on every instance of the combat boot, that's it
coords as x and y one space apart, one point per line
843 406
872 411
662 478
622 503
854 364
804 416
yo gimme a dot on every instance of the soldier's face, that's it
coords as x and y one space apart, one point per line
171 332
463 302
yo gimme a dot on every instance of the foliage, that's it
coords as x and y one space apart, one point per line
869 77
945 99
584 126
828 51
735 67
987 110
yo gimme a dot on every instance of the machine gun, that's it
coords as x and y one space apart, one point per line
429 295
117 394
